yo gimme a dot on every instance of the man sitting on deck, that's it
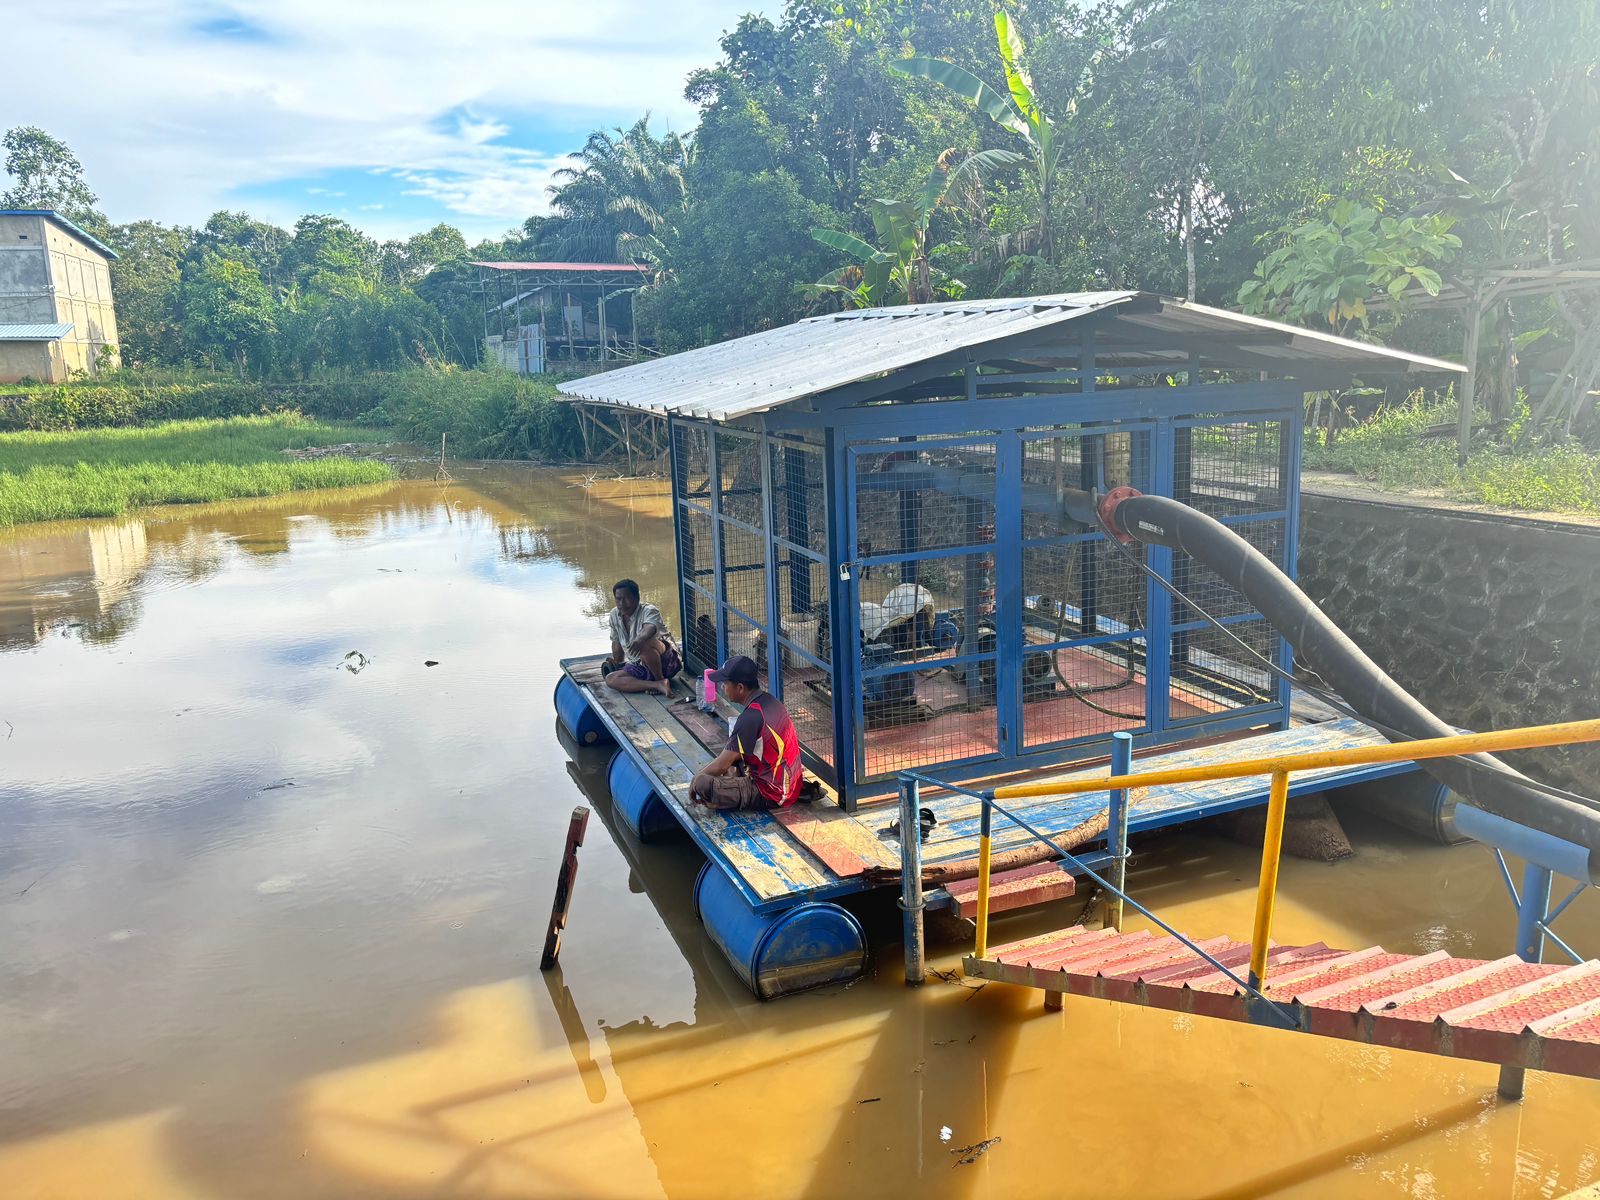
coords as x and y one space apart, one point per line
641 645
763 743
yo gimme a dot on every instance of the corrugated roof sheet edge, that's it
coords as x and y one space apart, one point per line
35 331
761 371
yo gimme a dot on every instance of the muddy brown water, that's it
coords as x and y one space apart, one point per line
269 927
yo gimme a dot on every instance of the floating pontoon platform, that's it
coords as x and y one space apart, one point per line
818 852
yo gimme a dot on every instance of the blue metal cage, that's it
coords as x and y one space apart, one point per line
909 578
870 504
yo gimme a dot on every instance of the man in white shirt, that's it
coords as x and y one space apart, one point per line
641 644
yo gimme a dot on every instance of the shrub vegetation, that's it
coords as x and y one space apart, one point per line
1392 451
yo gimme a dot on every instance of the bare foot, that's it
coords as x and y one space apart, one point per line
666 687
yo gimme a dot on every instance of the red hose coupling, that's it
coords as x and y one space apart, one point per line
1108 510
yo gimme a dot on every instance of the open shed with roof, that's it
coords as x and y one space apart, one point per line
873 505
538 313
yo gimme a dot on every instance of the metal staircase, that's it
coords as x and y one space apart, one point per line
1538 1016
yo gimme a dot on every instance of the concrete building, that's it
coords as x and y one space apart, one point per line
56 315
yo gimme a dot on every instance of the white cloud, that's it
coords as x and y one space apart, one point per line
170 122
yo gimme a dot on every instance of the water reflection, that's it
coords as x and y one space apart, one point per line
271 928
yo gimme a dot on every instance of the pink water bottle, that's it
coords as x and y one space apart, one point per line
708 692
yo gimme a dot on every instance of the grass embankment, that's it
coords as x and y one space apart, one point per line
106 472
486 413
1390 450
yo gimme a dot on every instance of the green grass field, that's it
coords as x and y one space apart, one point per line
107 472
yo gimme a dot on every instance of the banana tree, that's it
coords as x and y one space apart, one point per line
1016 109
897 270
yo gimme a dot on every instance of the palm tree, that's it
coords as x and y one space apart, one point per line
621 198
1016 109
897 269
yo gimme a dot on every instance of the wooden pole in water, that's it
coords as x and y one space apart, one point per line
564 881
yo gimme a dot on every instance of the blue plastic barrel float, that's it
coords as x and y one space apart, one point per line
635 799
777 953
577 715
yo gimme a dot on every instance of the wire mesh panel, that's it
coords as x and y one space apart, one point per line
799 495
924 581
798 511
1236 471
699 631
1072 692
691 486
807 692
744 571
691 446
696 550
1213 674
1232 468
1085 601
739 465
747 639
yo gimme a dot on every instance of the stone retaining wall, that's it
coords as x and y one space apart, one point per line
1492 621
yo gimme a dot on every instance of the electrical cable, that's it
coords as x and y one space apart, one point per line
1082 694
1331 699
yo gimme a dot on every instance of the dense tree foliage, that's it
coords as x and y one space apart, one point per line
1333 163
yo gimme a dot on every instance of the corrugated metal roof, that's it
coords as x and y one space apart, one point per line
35 333
762 371
50 214
561 266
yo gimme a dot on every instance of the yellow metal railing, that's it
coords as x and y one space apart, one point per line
1279 768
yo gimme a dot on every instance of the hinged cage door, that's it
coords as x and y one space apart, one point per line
1086 602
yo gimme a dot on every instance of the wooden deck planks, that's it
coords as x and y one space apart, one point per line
956 834
815 848
771 853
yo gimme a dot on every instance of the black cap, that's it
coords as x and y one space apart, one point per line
738 669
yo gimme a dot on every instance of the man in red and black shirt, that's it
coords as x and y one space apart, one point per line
761 766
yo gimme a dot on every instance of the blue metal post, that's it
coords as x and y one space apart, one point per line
911 878
1531 910
1159 605
1532 907
843 644
719 592
1117 827
1009 659
774 663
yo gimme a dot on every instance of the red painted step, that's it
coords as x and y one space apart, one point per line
1020 888
1543 1016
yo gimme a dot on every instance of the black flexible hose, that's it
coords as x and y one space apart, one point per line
1158 520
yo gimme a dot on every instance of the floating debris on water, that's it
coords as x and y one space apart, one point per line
355 662
971 1154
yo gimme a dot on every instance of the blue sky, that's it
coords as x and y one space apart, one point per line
393 115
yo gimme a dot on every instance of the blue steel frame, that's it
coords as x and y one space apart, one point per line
841 431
